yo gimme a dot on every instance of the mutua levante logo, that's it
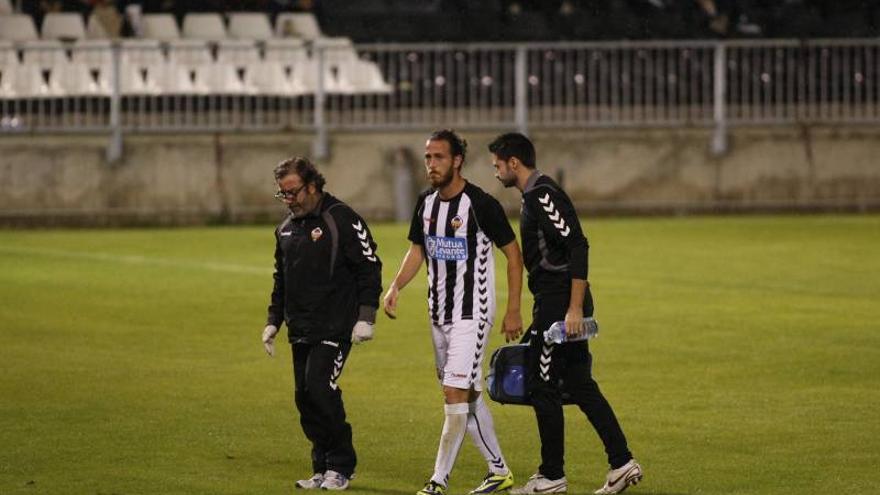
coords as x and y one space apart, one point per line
446 248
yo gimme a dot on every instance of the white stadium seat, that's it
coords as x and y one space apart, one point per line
8 53
93 54
286 51
360 76
250 26
6 80
26 81
142 53
169 79
238 52
304 78
63 26
73 80
131 80
335 51
43 53
302 26
204 26
189 52
269 78
161 27
218 79
6 76
18 27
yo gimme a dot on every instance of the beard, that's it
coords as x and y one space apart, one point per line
508 180
297 210
441 180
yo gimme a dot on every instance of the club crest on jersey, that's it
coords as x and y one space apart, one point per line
456 222
446 248
317 233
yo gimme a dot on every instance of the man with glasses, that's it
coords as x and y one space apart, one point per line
327 285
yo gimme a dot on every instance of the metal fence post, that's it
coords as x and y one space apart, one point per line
114 148
320 148
521 110
719 114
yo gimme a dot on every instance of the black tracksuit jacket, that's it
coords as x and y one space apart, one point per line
327 274
555 249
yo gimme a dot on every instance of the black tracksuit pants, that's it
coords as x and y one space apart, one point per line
565 369
316 368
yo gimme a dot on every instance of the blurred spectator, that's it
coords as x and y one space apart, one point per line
105 13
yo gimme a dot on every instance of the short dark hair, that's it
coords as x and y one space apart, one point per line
457 144
302 167
514 144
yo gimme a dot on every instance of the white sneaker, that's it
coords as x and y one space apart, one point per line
619 479
311 483
539 484
334 481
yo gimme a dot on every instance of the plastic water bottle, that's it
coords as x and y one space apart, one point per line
556 333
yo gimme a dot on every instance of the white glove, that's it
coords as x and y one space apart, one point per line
361 332
269 339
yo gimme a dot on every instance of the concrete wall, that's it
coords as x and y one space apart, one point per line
203 178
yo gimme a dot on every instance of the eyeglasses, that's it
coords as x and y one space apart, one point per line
291 194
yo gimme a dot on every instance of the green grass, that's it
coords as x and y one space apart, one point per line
741 354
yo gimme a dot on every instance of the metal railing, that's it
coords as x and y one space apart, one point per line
472 86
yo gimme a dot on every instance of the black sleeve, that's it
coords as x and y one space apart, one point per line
276 301
560 224
359 249
416 231
493 221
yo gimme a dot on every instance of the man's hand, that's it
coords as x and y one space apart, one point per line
574 321
511 327
389 303
269 339
361 332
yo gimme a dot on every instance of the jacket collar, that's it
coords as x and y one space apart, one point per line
530 183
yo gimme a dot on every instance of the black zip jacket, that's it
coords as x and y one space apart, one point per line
327 274
555 250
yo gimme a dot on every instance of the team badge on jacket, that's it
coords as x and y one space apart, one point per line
317 233
456 222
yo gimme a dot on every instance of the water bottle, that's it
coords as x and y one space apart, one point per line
556 333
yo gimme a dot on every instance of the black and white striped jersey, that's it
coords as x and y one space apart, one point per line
456 236
554 247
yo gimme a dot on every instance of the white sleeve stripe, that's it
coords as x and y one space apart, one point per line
554 215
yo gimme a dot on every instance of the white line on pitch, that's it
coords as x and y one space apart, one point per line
137 260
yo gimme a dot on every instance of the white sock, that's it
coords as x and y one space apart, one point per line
481 428
454 429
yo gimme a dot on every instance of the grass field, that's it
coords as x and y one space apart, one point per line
741 354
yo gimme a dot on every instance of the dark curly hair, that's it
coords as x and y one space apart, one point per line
302 167
514 144
457 144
